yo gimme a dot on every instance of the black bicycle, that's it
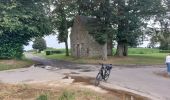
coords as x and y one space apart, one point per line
103 74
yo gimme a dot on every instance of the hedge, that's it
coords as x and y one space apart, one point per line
50 52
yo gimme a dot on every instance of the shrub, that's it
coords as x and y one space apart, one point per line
50 52
11 50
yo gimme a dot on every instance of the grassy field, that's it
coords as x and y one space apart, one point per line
137 56
14 64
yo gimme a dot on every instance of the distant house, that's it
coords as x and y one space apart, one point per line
82 43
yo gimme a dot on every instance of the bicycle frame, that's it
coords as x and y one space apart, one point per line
104 73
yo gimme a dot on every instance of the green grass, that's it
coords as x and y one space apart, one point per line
140 50
137 56
14 64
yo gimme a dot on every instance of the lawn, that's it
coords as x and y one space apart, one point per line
137 56
14 64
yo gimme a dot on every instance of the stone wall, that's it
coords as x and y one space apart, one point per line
83 44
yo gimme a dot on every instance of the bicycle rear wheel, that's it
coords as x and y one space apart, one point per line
98 79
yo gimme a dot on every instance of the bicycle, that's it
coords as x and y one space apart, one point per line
103 74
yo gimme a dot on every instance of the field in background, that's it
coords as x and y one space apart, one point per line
140 51
137 56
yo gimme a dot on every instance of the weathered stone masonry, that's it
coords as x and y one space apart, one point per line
82 43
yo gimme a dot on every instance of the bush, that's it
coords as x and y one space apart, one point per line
50 52
8 51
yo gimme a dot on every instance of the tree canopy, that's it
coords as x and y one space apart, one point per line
39 44
20 21
121 20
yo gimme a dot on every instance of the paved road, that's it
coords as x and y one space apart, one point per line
142 80
60 64
138 79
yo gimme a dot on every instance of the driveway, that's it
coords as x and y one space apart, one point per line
141 80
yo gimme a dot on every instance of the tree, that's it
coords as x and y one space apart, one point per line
63 15
20 21
39 44
132 16
161 34
124 19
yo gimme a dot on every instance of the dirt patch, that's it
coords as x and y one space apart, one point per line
86 70
162 74
39 65
85 80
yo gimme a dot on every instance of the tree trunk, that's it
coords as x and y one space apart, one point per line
66 47
125 53
119 50
122 49
110 44
104 53
109 47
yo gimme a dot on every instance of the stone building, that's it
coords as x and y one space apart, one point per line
82 43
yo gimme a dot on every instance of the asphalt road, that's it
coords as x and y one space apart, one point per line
140 80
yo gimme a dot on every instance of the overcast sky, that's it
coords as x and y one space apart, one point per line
51 41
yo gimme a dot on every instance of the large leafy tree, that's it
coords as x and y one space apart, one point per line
132 16
161 34
100 26
63 15
20 21
122 20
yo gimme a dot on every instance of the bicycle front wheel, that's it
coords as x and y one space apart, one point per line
98 79
107 74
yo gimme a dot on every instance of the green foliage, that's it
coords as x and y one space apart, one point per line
121 20
11 50
20 21
67 95
42 97
63 15
39 44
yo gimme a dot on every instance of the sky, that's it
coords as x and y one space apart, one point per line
52 41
